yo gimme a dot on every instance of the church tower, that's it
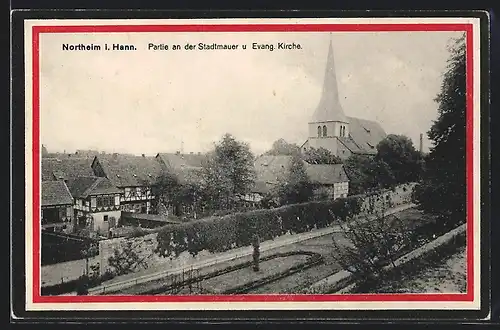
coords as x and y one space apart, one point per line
328 123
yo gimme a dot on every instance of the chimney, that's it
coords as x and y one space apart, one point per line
177 152
191 153
143 155
421 146
199 153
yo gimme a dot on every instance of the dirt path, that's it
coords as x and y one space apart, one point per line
448 276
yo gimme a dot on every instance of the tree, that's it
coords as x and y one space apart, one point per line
398 152
295 186
443 190
126 259
373 242
167 190
367 173
228 172
320 156
282 147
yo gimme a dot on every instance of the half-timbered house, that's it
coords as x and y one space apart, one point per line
133 175
97 203
56 207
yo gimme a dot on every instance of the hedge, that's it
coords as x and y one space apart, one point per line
219 234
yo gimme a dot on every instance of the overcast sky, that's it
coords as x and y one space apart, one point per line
155 101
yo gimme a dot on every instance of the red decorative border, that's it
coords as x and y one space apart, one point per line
467 28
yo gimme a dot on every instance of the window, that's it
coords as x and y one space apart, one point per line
319 131
103 201
105 218
324 131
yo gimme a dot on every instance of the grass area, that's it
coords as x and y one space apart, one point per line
410 218
441 271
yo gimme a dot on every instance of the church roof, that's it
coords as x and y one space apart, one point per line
364 135
329 107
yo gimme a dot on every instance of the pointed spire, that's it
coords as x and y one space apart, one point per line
329 108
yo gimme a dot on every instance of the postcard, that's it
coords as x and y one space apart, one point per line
253 164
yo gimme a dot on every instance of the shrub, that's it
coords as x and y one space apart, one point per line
218 234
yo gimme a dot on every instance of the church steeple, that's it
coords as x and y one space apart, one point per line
329 108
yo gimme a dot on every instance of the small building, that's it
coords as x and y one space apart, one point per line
330 178
57 207
97 203
133 175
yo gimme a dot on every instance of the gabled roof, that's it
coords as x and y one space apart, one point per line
55 193
270 169
129 170
178 160
187 167
326 173
364 135
66 168
82 187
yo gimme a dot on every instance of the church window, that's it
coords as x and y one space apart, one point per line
319 131
324 131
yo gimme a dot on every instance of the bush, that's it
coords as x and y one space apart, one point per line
218 234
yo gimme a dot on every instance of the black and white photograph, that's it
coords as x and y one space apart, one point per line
294 163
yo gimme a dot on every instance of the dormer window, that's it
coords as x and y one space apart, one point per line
118 175
135 175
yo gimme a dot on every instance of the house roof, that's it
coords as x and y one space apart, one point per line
129 170
66 168
326 173
261 187
55 193
178 160
186 166
364 135
270 169
82 187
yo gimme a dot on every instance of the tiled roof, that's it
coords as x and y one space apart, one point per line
326 173
83 187
187 167
128 170
364 135
55 193
178 160
65 168
270 169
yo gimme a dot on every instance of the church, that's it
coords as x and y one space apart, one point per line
331 129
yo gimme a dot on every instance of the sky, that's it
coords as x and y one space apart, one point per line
145 101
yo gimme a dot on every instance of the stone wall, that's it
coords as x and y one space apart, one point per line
146 245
